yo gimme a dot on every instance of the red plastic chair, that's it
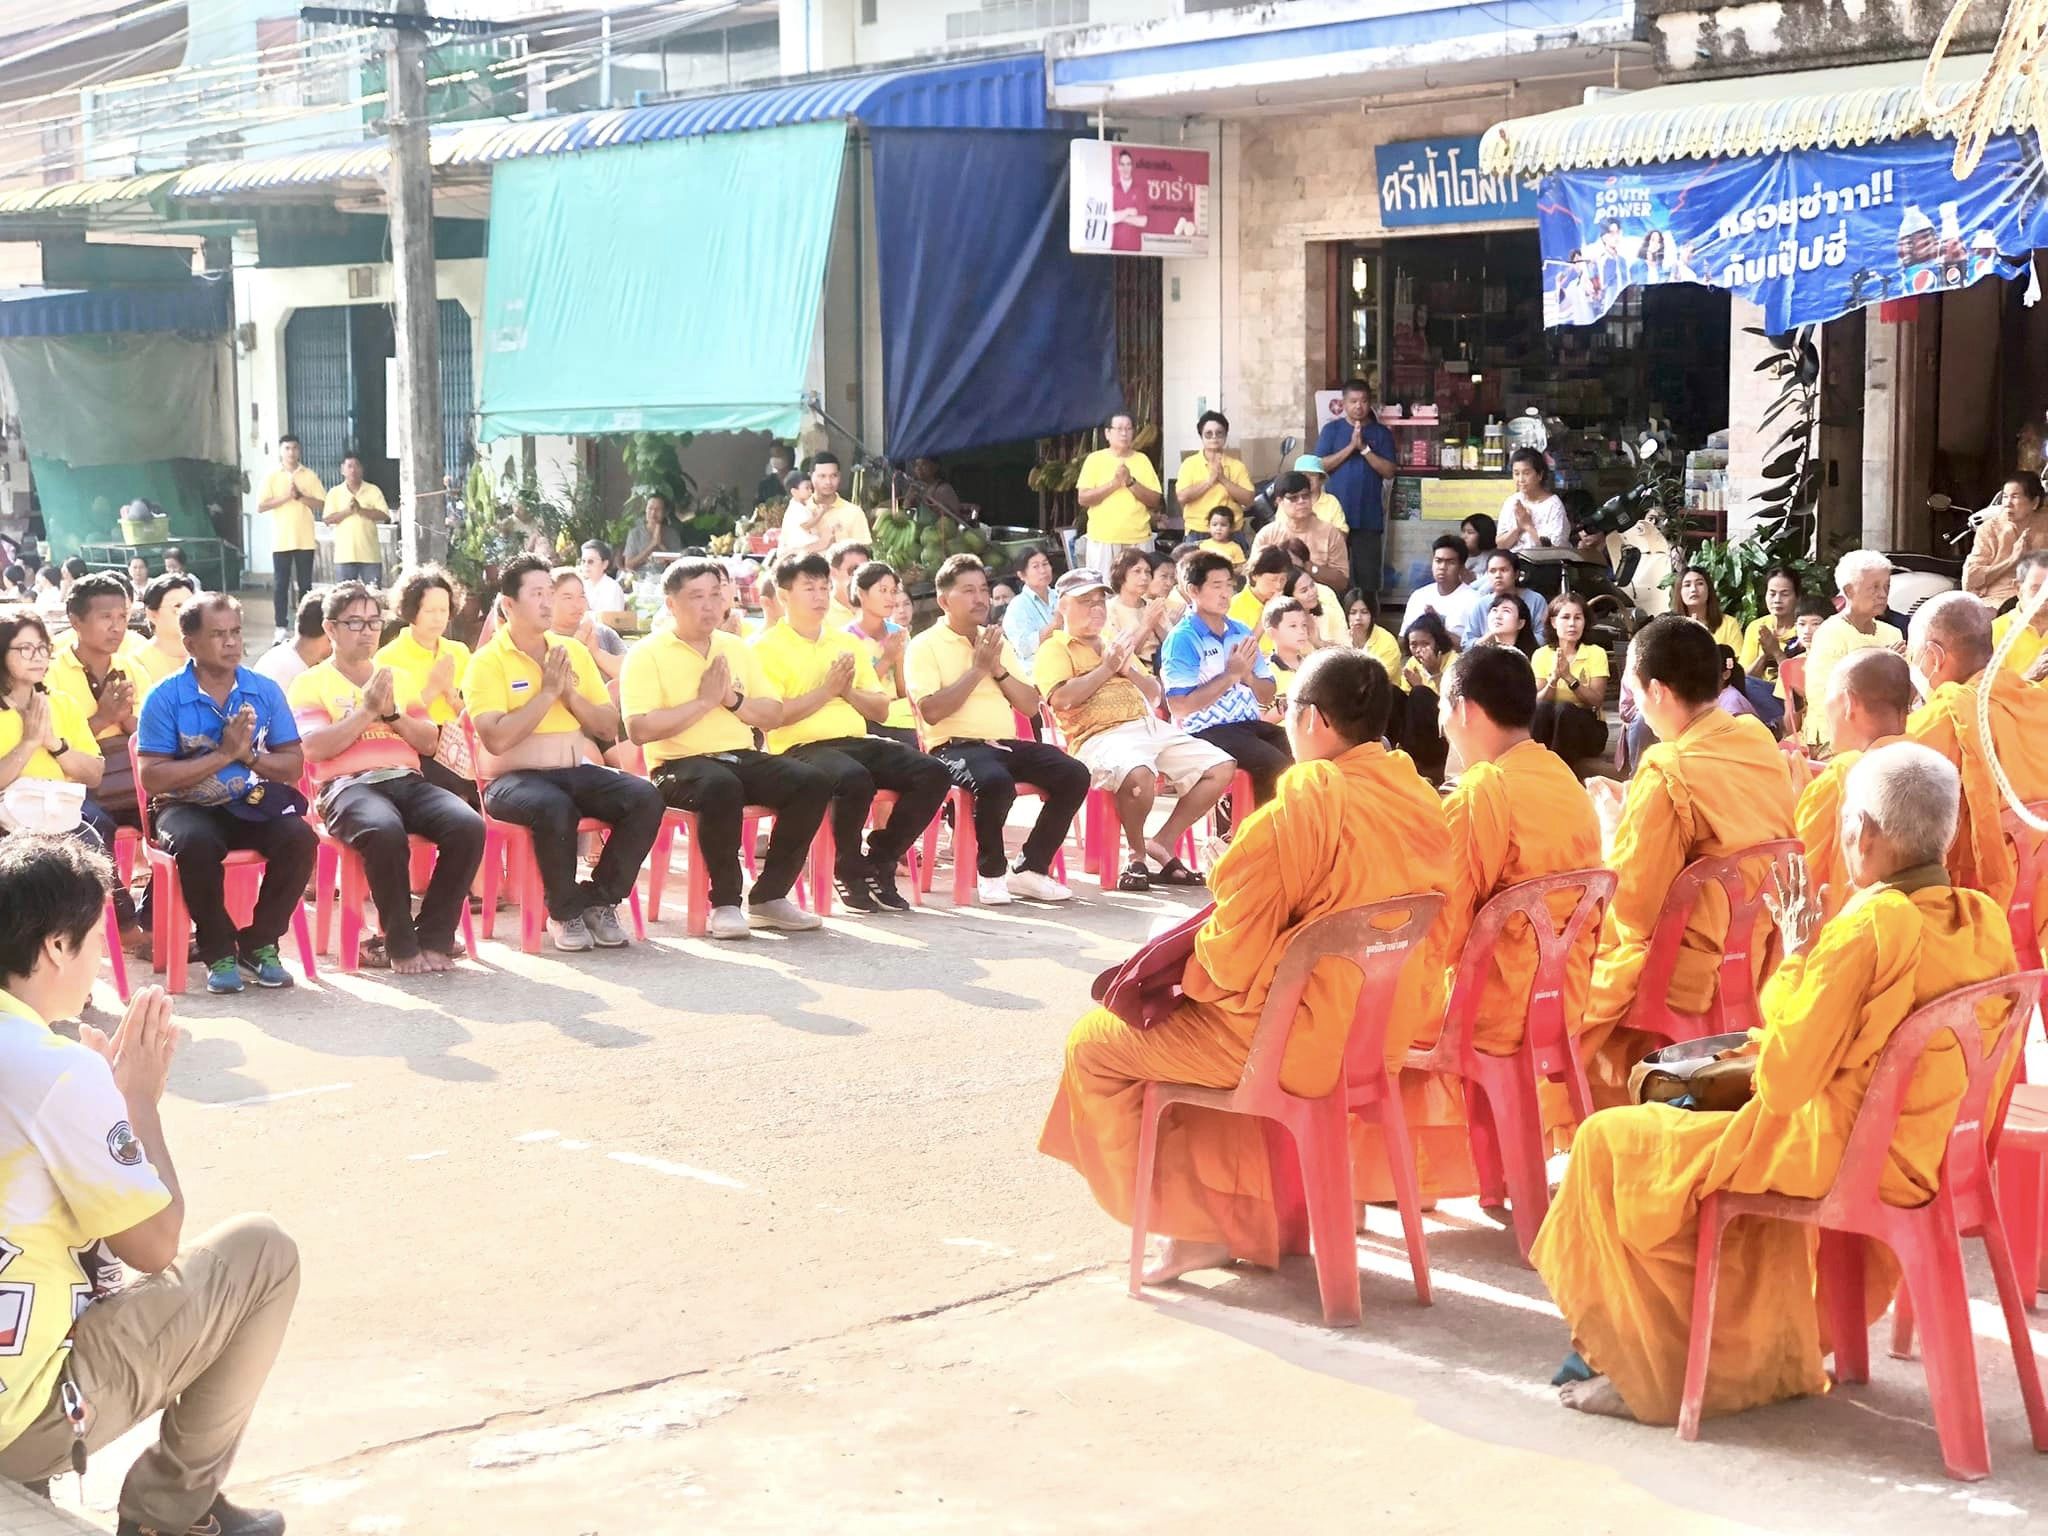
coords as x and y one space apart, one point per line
1319 1127
1926 1239
170 922
2023 1146
1734 1005
116 960
1504 1121
2030 861
966 846
821 874
508 860
341 878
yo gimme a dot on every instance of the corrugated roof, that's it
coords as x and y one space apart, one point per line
85 194
1753 115
1006 92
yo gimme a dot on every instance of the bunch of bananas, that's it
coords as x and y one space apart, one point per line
921 541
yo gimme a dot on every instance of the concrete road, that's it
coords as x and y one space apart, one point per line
753 1238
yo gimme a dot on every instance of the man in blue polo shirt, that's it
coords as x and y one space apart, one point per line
1216 679
221 761
1358 456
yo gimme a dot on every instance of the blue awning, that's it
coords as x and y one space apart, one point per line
204 304
1006 92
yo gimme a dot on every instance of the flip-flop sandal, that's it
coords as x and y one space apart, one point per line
1134 878
1174 872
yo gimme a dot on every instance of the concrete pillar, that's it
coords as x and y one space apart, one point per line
1750 394
1193 377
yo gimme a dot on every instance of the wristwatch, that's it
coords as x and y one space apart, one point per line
389 719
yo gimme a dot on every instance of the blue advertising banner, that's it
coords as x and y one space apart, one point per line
1806 235
1438 181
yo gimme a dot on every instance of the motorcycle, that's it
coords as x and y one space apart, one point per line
1627 585
1262 511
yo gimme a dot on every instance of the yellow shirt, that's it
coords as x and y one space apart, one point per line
502 678
1117 702
410 663
841 521
1194 470
1589 661
1229 549
320 696
66 679
1248 609
42 764
74 1174
355 538
147 666
665 670
1751 653
899 718
1119 518
939 658
1835 639
1383 648
790 665
2026 650
292 523
1330 510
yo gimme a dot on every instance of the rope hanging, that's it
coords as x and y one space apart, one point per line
1977 113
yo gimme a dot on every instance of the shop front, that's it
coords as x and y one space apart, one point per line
1444 315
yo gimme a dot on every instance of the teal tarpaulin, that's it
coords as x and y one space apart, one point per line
670 287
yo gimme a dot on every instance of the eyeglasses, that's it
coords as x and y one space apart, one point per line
357 626
35 651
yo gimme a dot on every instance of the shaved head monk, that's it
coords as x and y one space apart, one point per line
1949 645
1300 856
1617 1249
1711 786
1870 693
1517 814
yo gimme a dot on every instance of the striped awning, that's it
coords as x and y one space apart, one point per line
85 194
1753 115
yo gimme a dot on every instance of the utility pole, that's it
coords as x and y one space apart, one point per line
409 193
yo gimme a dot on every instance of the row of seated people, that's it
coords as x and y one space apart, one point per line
1906 901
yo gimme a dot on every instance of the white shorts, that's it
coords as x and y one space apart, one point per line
1113 755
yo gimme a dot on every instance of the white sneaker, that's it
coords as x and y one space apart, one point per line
782 913
729 923
991 891
1033 886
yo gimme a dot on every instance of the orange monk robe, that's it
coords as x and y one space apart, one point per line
1720 787
1947 722
1617 1248
1520 817
1339 834
1819 825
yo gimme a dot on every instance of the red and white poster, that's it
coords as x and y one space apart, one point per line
1138 199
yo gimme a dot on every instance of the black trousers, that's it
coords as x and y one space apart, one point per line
718 787
286 567
200 837
548 802
1258 747
901 733
1572 731
443 777
991 772
859 766
1420 734
1364 546
375 820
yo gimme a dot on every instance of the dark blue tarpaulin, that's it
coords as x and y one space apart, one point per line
992 331
1806 234
204 305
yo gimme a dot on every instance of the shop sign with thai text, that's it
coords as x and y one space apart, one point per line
1137 199
1438 181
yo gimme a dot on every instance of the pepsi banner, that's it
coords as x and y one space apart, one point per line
1806 234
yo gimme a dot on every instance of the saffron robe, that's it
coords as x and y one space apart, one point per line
1337 834
1820 827
1617 1248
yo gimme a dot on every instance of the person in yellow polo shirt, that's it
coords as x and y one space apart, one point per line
96 671
293 496
969 687
878 633
354 510
693 696
162 651
1120 489
1270 575
432 665
1212 477
544 721
829 694
2025 657
1328 507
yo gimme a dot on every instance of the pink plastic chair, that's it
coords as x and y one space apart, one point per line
1734 1006
116 960
825 856
966 846
170 922
1926 1239
343 880
1319 1127
1504 1120
2023 1146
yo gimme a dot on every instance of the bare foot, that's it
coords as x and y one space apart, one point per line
411 965
436 961
1178 1258
136 941
1594 1396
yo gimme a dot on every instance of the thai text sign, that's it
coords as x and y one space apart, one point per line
1137 199
1438 181
1806 235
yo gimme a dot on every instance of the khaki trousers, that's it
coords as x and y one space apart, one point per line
196 1341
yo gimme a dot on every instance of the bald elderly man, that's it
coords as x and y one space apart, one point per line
1949 645
1870 694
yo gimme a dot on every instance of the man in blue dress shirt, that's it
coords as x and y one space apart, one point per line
1358 456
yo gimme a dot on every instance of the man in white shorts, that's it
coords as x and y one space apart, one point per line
1106 707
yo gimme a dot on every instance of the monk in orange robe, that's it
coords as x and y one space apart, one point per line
1518 813
1617 1249
1349 825
1712 785
1949 645
1870 693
